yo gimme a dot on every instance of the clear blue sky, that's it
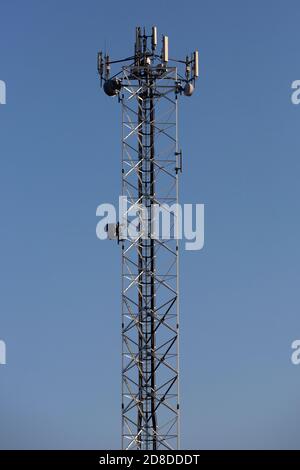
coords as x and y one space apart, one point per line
60 286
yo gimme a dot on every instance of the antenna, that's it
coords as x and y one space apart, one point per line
154 38
100 66
107 67
148 86
138 48
187 68
196 64
165 49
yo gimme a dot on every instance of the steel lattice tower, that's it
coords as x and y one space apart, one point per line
148 86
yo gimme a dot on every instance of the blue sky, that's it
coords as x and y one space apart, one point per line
60 285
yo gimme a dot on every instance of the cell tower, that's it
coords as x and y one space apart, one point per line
147 86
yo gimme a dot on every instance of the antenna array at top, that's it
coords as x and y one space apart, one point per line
145 57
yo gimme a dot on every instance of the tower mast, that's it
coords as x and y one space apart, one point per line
148 86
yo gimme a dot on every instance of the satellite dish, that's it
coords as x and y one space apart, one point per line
112 87
188 89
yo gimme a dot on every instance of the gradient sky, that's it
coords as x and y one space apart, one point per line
60 285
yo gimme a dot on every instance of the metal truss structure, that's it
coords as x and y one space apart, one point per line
148 90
